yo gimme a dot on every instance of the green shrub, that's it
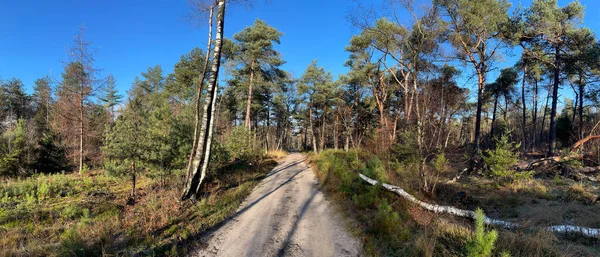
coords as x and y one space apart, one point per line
440 164
219 155
502 158
3 214
43 190
481 243
85 169
406 149
114 168
335 172
240 144
72 244
73 212
387 221
30 199
374 169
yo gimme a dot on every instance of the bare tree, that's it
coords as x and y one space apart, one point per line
78 85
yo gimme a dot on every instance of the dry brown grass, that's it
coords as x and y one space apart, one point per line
276 154
577 192
93 218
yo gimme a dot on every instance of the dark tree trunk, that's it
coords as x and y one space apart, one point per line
523 126
544 116
552 136
335 133
322 139
581 97
505 109
494 117
133 180
481 84
575 107
534 116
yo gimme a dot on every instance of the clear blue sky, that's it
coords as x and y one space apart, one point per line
132 35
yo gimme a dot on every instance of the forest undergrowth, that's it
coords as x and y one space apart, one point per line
392 226
91 214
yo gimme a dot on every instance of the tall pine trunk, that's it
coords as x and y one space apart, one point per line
312 130
335 133
534 116
575 107
524 123
544 116
249 101
552 136
505 109
494 117
480 86
322 139
202 155
581 93
133 179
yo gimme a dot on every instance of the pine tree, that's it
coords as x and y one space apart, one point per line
42 99
127 142
474 26
255 50
13 149
502 87
317 89
110 97
15 102
549 30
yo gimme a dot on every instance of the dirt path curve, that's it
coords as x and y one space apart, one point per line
285 215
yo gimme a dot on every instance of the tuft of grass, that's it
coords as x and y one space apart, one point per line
532 187
577 192
276 154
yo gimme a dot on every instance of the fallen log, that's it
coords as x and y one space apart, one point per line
583 141
578 174
587 232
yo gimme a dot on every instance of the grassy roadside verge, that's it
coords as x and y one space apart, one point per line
390 226
72 215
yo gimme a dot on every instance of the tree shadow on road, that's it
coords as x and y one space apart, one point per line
202 238
287 241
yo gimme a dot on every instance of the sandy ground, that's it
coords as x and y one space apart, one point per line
285 215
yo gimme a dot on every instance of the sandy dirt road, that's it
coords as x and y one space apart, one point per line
285 215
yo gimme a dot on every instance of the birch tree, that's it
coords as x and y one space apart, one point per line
198 169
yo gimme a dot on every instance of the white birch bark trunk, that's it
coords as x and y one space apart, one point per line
587 232
202 156
199 92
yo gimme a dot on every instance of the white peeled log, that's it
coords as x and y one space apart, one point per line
587 232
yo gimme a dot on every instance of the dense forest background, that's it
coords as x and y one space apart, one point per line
400 87
404 99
